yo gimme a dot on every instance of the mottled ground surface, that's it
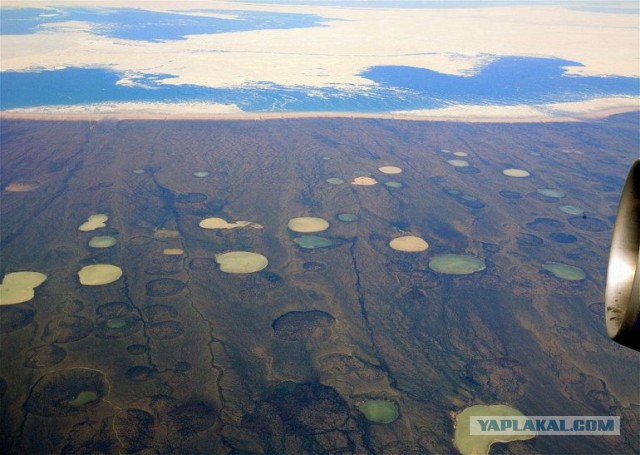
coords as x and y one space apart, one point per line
177 356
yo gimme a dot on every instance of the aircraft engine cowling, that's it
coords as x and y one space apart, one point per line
622 294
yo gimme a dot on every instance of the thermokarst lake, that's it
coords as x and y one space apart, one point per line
307 285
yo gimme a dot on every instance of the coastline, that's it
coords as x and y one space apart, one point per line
441 116
333 54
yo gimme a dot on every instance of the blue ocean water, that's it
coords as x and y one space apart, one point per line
510 80
513 80
74 86
144 25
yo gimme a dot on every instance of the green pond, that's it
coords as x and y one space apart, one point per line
116 323
311 242
550 192
379 411
565 271
102 241
83 398
348 217
456 264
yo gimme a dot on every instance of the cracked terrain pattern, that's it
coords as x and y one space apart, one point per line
177 356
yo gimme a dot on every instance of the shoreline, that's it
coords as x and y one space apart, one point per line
598 114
